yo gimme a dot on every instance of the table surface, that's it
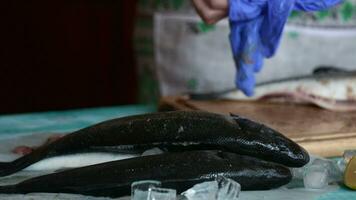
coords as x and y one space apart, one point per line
14 126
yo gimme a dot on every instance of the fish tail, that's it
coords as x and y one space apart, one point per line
8 168
9 189
5 168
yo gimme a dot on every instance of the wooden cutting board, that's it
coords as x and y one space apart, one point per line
321 132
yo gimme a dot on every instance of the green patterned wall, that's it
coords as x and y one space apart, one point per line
341 16
144 47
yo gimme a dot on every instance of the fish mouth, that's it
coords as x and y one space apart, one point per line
300 159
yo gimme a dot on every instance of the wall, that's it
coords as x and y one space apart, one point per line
62 54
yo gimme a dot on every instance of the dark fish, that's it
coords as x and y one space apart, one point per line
175 170
172 131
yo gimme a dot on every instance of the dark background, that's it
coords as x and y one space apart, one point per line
59 54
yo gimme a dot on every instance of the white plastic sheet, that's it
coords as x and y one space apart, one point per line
192 60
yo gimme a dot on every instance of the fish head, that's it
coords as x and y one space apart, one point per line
270 144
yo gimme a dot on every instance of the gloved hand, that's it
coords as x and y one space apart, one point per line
256 28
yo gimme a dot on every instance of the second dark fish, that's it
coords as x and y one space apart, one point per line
175 170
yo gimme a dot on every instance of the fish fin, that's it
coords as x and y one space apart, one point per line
8 168
236 117
5 167
327 70
246 122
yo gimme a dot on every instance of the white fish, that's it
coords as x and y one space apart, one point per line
328 88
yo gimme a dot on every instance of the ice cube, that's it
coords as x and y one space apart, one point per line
341 165
298 173
348 154
329 169
316 177
139 189
202 191
220 189
228 189
334 171
153 151
161 194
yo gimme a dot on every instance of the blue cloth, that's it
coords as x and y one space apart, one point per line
256 28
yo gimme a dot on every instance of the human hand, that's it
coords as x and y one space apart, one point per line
211 11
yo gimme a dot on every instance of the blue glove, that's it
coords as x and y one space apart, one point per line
256 28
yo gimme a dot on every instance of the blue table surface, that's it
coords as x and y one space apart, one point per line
67 121
64 121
